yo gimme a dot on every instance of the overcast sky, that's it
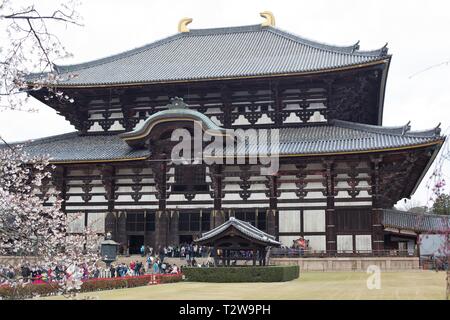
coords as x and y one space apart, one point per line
417 33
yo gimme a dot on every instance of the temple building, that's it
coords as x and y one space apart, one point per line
339 168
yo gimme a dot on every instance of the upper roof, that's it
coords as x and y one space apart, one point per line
417 222
245 227
336 137
219 53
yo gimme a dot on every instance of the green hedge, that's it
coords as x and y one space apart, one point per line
242 274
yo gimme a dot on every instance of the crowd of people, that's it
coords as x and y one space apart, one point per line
153 262
27 272
153 265
182 250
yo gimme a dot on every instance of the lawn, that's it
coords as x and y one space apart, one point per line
310 285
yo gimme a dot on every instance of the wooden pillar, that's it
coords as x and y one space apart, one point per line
330 226
272 218
121 227
227 107
162 223
162 218
217 215
59 180
254 256
278 103
224 251
108 180
377 211
173 227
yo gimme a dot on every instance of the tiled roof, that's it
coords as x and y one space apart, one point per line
338 136
244 227
73 147
343 136
216 54
415 221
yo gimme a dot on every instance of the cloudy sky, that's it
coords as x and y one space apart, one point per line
416 32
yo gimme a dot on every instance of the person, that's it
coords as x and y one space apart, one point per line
142 250
149 263
155 267
132 265
113 271
26 272
137 268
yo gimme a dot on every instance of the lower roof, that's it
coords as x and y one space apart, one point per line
245 227
417 222
337 137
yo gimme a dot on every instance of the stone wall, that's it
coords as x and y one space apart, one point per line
350 264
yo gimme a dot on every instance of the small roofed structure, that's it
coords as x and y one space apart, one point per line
234 239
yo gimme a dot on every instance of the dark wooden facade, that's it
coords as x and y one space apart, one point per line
334 199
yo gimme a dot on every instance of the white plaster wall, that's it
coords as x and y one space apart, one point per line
95 127
74 199
75 222
245 205
289 221
116 126
96 221
352 204
240 121
344 243
292 118
264 119
314 220
316 243
68 207
317 117
287 195
363 242
287 240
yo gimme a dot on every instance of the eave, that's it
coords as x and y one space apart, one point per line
383 60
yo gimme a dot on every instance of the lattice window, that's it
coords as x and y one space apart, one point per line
352 220
189 221
206 220
190 178
138 222
135 221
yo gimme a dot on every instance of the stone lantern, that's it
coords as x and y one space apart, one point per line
108 250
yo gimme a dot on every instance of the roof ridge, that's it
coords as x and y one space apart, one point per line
150 45
46 139
404 130
350 50
222 30
418 214
117 56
